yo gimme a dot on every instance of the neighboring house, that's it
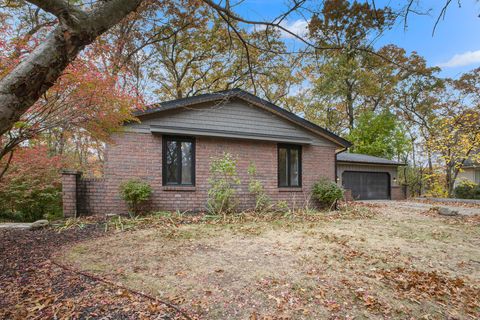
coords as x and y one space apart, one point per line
174 143
366 177
470 172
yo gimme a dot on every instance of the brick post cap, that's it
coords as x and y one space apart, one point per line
69 171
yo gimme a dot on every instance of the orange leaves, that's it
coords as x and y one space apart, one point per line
90 98
34 163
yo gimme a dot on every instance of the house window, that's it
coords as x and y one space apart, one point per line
477 176
289 165
178 161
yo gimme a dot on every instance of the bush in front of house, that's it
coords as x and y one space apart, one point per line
135 193
223 181
326 192
255 186
467 190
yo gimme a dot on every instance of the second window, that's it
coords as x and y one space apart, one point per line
289 165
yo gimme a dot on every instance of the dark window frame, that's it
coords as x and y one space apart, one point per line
289 147
179 140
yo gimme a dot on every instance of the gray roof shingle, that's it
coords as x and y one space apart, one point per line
363 158
239 93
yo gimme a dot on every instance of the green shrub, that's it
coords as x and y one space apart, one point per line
135 193
262 200
467 190
327 192
223 180
283 207
25 202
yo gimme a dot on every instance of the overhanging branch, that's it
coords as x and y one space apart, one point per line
68 14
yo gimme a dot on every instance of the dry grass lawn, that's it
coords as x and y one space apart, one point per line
397 264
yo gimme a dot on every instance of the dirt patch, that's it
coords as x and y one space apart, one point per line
32 287
322 268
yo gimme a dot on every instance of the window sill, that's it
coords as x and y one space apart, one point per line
290 189
179 188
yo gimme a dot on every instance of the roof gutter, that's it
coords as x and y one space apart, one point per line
373 163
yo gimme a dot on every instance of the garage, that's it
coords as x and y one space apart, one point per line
367 185
366 177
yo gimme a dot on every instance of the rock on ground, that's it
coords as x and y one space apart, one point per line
444 211
39 224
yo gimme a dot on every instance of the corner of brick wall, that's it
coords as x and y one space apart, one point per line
82 196
91 196
398 193
347 195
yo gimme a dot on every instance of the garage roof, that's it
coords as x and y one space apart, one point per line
363 158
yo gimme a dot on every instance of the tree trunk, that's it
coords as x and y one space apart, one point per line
349 103
449 179
26 83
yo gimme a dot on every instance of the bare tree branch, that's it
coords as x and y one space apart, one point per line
68 14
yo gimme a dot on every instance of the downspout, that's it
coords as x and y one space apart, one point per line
336 171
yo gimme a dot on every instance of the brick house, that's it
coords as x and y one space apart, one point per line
174 142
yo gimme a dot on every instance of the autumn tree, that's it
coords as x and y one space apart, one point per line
31 189
342 72
77 25
179 67
415 99
455 133
86 103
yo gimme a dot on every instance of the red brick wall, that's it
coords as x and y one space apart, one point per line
397 193
139 155
348 195
90 196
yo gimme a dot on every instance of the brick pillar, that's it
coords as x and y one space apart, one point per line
347 195
69 192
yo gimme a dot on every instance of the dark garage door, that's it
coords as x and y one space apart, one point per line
367 185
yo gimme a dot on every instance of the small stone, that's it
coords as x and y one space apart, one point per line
39 224
444 211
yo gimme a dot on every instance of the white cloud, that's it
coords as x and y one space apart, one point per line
462 59
298 27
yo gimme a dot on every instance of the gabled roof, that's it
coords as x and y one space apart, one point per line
366 159
250 98
469 163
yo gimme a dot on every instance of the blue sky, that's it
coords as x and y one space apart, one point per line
455 46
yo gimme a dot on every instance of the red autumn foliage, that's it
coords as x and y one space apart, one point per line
30 189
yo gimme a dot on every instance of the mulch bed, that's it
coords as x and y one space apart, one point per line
32 286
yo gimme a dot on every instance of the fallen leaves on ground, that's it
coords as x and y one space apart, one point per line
419 285
32 287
